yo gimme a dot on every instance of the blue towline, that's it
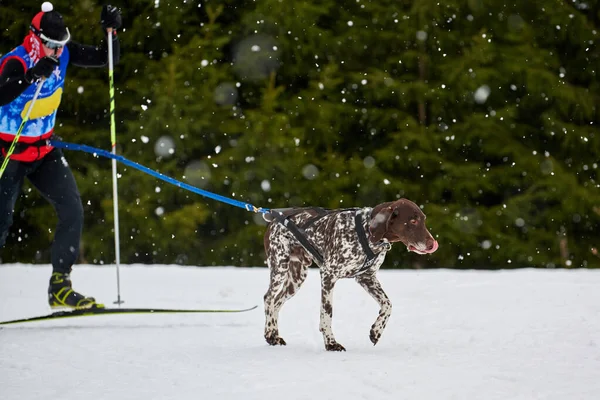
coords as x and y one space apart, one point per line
92 150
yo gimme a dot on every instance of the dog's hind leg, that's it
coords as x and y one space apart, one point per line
278 279
286 280
327 283
371 284
296 275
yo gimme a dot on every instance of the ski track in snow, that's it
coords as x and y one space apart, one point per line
518 334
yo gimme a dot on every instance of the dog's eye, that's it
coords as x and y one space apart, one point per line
414 221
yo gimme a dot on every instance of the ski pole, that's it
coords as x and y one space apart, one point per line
113 139
18 135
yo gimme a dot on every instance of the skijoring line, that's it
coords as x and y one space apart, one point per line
92 150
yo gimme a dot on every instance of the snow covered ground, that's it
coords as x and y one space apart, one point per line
524 334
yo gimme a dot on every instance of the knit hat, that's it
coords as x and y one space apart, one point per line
49 24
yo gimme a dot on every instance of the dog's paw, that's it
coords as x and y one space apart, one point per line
374 336
335 346
275 340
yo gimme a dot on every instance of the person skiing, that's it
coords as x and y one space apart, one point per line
42 59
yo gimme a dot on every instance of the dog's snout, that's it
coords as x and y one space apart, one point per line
430 243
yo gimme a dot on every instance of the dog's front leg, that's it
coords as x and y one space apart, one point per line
327 283
371 284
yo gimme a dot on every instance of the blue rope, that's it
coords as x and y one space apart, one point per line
95 151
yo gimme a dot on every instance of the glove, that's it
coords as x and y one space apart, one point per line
43 69
110 17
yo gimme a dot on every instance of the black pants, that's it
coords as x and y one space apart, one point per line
52 177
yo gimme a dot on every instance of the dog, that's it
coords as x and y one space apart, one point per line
344 243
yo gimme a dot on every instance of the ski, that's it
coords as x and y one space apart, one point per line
89 312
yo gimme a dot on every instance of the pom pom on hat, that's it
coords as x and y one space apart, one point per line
47 6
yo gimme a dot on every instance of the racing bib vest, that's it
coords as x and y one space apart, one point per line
42 118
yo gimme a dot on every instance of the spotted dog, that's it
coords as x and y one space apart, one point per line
344 243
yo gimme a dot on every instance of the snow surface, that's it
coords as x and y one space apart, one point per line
519 334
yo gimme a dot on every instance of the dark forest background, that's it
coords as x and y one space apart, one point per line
484 113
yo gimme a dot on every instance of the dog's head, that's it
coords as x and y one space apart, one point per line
402 221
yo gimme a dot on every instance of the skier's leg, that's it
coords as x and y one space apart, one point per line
56 183
10 188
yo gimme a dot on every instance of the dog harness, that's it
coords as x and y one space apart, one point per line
300 234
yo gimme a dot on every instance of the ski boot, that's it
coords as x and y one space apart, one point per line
61 295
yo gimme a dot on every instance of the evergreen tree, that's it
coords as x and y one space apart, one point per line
484 113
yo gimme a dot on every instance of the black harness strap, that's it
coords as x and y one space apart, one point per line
362 237
299 234
364 242
321 212
23 145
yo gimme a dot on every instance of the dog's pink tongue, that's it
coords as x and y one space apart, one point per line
434 248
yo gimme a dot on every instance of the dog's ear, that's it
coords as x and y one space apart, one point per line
380 218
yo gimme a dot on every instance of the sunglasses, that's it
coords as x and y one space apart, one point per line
54 44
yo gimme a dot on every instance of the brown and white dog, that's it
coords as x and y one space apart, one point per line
340 252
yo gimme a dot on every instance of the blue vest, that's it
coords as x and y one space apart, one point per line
43 114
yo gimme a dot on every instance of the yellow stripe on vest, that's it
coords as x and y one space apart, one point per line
43 107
